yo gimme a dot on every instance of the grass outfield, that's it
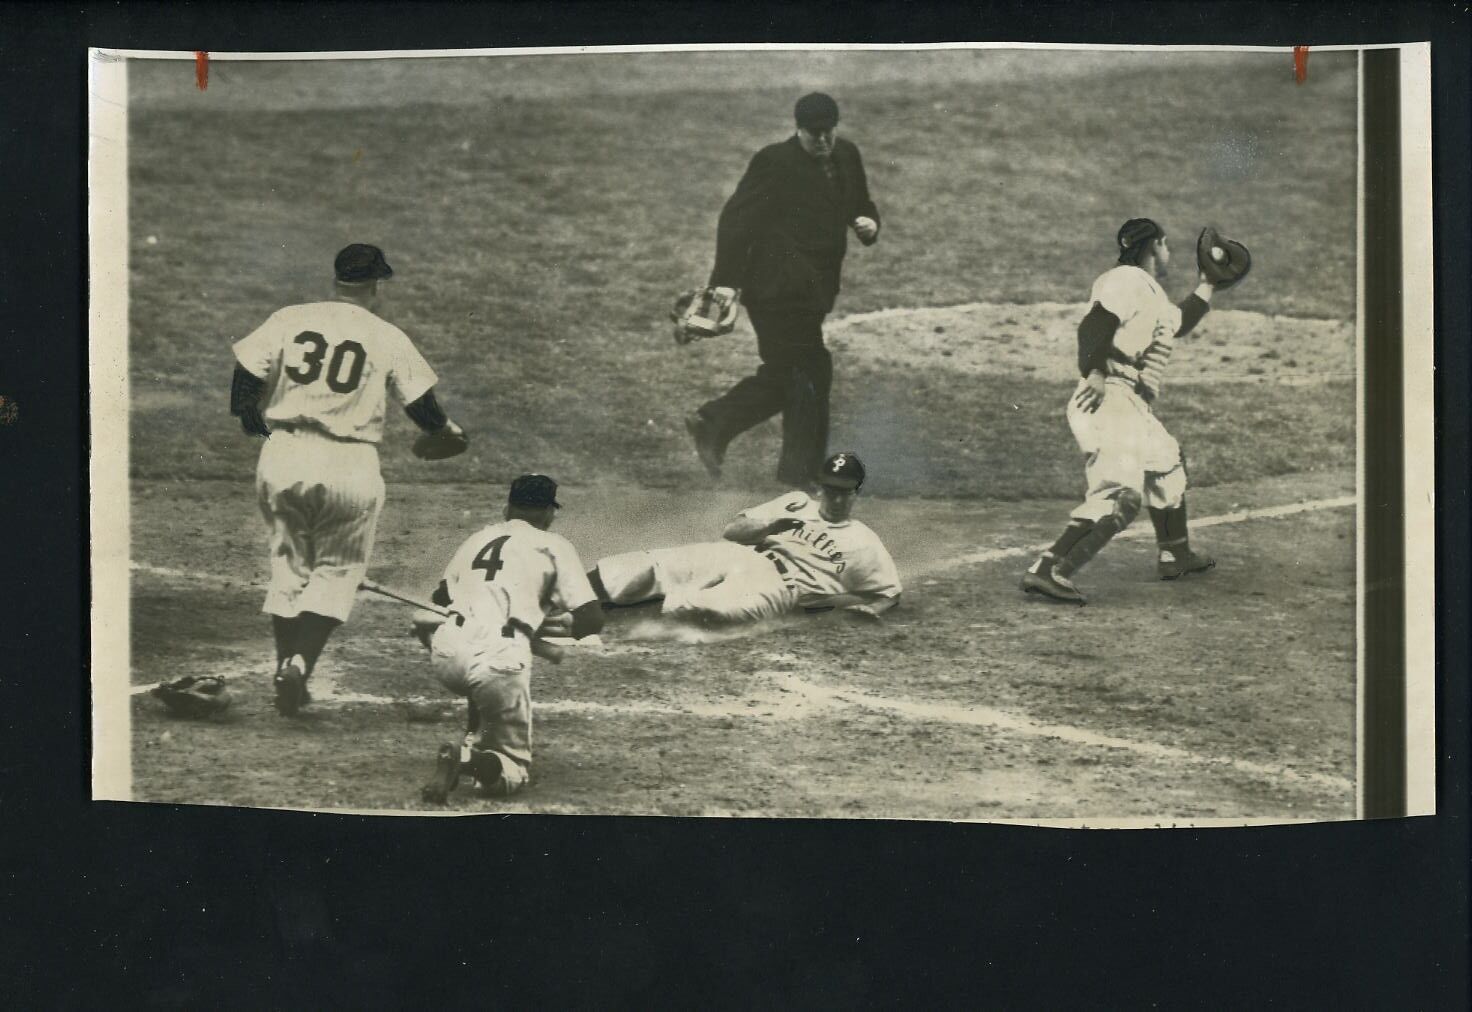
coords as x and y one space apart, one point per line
538 235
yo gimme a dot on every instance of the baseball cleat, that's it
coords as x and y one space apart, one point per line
705 447
291 687
1172 566
1053 586
446 775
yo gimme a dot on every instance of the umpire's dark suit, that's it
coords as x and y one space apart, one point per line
781 240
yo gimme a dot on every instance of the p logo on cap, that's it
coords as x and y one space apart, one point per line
842 470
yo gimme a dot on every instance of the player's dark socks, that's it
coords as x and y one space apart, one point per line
472 717
1087 546
285 632
595 580
313 631
1158 521
1171 532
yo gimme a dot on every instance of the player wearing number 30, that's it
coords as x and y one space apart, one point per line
313 380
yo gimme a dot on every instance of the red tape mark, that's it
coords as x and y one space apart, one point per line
1300 64
201 69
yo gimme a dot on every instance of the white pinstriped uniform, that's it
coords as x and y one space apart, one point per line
1126 445
327 367
504 580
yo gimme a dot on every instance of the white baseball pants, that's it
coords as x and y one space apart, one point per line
1126 447
717 581
495 672
320 497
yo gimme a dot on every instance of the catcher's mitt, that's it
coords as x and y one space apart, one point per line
193 696
449 440
1223 261
704 312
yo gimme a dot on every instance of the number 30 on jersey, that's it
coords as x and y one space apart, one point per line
344 368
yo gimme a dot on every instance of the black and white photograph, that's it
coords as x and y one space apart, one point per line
958 433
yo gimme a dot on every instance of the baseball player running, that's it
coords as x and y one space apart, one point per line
502 583
795 551
1124 343
312 380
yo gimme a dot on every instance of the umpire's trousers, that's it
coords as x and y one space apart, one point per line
794 378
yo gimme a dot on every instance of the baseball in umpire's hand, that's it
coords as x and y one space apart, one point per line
866 228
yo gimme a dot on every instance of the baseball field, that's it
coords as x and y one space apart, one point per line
540 214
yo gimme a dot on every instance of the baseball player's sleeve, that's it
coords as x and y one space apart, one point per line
1095 335
409 375
1193 308
572 589
866 206
742 218
260 351
873 570
1121 293
786 505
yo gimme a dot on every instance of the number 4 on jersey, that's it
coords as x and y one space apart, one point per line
489 557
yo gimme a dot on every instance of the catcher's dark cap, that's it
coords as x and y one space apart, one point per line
361 262
816 111
842 470
535 490
1138 230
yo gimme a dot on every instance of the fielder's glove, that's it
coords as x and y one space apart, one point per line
705 312
193 696
449 440
1223 261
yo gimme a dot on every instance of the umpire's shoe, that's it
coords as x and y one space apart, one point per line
1051 585
705 443
446 775
291 687
1174 565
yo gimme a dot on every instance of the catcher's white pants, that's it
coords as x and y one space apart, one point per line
714 580
320 497
495 672
1126 447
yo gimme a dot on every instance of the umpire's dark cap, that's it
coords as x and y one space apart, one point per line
842 470
360 262
816 111
1138 230
534 490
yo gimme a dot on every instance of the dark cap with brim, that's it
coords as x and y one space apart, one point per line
360 262
842 470
816 111
536 491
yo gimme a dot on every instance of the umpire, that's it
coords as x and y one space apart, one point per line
780 242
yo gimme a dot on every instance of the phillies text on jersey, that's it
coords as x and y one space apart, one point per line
825 558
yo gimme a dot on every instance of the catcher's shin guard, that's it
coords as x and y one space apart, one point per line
1126 508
